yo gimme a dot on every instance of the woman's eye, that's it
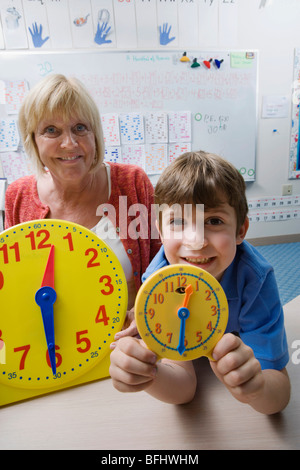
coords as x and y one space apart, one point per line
80 128
50 130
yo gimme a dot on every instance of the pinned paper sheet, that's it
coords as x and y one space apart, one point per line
2 92
175 150
134 155
167 20
132 128
9 135
110 124
3 185
37 27
241 60
156 127
145 19
1 38
188 24
156 158
59 24
15 92
275 106
15 165
14 28
113 154
208 23
104 23
228 23
125 22
81 23
180 126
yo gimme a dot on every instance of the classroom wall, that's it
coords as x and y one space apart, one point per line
272 28
274 31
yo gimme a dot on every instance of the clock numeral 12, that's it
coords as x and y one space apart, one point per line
44 234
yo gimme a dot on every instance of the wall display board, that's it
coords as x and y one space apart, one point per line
294 167
154 105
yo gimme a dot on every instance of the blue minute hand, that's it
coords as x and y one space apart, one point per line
183 313
45 298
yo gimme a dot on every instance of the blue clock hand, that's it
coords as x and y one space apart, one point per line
183 313
45 298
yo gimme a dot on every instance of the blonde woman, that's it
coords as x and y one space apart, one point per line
62 134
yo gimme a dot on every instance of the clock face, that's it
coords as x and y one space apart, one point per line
89 306
181 312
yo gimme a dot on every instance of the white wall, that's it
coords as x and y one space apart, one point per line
274 31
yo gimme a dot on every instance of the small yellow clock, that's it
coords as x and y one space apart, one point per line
181 312
63 296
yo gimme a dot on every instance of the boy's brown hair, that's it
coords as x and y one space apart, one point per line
203 178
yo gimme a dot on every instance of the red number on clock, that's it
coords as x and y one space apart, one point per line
108 285
92 263
42 244
1 279
102 315
83 339
14 247
57 356
24 355
70 241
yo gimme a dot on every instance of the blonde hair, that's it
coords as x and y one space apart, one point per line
57 94
203 178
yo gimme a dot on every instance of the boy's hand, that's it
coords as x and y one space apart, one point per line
132 365
129 328
236 366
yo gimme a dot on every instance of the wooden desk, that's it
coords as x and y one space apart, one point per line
96 416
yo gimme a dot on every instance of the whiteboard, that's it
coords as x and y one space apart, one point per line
222 101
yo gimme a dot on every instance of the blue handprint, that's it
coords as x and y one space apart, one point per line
102 32
36 34
164 35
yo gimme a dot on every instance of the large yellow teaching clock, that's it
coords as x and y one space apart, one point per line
63 296
181 312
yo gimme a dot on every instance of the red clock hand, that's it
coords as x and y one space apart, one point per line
48 279
45 298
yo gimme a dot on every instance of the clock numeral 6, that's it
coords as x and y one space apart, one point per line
57 356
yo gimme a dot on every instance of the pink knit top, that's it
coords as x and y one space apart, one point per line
129 186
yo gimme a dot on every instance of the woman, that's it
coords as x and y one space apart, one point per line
62 133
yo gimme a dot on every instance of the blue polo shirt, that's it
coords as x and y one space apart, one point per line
255 310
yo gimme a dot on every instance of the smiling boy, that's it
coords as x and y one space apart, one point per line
251 364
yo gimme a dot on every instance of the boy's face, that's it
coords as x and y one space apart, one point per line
208 242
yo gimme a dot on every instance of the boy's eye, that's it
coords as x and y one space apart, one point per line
214 221
177 222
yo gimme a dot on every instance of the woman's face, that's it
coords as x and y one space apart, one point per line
66 147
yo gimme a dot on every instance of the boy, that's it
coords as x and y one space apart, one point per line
251 365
